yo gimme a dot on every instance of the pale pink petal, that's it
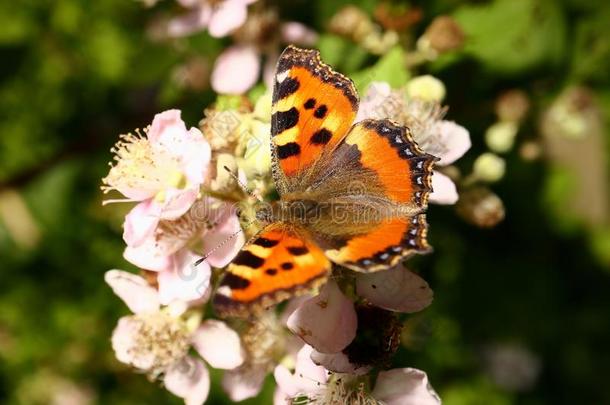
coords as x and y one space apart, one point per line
124 343
226 239
166 128
444 190
376 95
227 16
218 344
242 383
328 321
293 32
338 362
308 378
280 397
184 281
396 289
148 256
292 305
177 202
195 156
189 379
404 386
135 292
191 22
236 70
455 139
140 223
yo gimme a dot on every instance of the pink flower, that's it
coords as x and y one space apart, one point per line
164 247
238 68
405 386
328 321
156 340
219 18
267 342
164 169
441 138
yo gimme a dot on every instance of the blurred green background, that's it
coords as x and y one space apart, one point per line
521 311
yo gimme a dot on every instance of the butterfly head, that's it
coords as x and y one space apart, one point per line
264 212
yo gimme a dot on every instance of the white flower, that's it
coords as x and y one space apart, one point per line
156 340
424 117
163 169
316 385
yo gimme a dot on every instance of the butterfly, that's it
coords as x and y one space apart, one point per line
353 195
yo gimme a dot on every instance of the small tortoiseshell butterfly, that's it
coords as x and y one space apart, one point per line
349 194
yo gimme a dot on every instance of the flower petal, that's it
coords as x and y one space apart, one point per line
455 141
193 21
167 128
236 70
307 378
218 344
293 32
280 397
226 238
328 321
148 256
177 202
195 156
227 16
444 190
189 379
396 289
242 383
124 340
338 362
141 222
184 281
404 386
135 292
376 95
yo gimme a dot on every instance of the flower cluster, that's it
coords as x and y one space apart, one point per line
333 345
184 210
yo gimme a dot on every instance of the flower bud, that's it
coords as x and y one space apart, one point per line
397 17
530 151
489 167
443 35
481 207
573 114
500 137
262 108
427 88
512 105
351 22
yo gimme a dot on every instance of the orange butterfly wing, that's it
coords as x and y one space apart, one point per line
313 107
395 177
278 263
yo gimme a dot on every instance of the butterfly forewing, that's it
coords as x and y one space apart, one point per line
312 109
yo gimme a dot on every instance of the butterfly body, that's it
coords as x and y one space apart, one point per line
353 195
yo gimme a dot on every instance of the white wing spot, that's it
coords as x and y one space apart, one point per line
282 76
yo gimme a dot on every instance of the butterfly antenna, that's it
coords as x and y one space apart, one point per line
241 184
221 244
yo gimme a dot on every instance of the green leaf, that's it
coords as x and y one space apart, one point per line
510 36
389 68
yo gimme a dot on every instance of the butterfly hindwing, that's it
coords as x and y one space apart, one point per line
278 263
383 179
312 110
